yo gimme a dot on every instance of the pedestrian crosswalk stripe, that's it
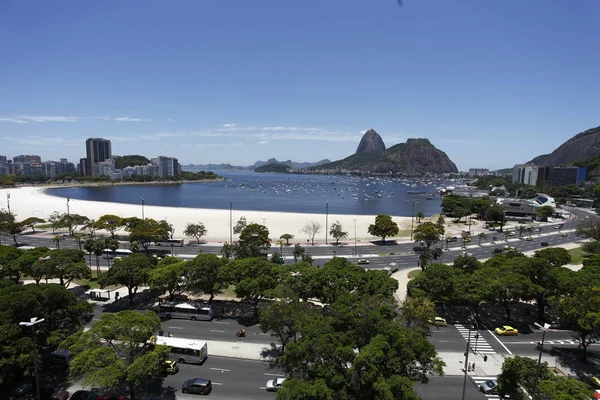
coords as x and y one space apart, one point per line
478 345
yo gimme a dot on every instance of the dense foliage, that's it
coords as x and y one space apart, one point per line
130 161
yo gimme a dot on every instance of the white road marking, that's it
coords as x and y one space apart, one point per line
220 322
268 374
217 383
502 344
175 327
447 341
221 369
214 330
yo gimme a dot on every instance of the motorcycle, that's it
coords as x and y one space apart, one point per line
538 345
241 333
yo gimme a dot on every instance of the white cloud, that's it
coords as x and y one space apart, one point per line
104 118
47 118
131 119
170 120
263 142
229 125
13 120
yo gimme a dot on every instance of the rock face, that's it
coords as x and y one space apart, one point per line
416 156
371 141
581 146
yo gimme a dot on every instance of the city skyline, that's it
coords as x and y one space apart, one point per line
490 84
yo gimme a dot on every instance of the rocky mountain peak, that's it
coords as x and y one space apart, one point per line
371 141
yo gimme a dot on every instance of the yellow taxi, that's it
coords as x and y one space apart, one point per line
438 321
171 367
506 331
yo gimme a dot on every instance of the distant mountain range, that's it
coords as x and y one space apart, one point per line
289 163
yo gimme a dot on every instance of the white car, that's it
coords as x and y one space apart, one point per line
274 385
465 254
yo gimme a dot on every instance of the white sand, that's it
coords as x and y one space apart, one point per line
28 202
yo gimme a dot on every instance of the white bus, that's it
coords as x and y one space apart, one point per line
170 243
184 350
190 310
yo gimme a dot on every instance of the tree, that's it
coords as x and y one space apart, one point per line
436 282
117 350
287 237
131 272
589 229
147 231
337 232
227 250
295 389
428 233
384 227
72 221
282 316
507 287
239 226
79 239
54 220
481 235
254 240
581 311
67 265
311 229
254 278
420 216
169 276
57 239
9 226
31 222
417 312
298 252
90 226
554 255
517 371
495 214
195 230
110 223
204 275
8 259
544 212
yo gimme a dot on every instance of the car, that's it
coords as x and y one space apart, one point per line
171 367
363 261
544 244
83 395
529 238
537 230
23 388
491 228
394 267
388 270
465 254
438 321
511 233
556 226
506 331
274 385
596 380
60 395
452 239
508 248
489 387
197 386
564 234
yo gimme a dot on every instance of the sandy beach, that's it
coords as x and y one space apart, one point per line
28 202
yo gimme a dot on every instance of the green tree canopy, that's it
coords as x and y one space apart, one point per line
427 232
254 241
205 276
383 227
337 232
146 231
195 230
132 272
110 223
116 351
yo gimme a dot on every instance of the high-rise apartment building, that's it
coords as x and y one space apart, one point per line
27 159
167 166
97 150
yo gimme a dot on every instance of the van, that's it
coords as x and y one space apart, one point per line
61 357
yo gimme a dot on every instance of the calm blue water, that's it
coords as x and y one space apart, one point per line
275 192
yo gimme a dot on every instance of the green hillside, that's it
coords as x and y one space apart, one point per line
282 168
130 161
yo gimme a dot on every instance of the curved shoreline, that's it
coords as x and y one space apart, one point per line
33 201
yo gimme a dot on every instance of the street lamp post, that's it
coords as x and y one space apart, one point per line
466 361
544 329
354 236
143 202
34 321
68 199
412 219
326 221
230 221
8 202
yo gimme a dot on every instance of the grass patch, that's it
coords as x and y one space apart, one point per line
578 255
413 274
43 226
229 291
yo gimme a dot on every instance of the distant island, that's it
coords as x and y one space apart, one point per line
281 168
289 163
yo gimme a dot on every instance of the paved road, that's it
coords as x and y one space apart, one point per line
448 387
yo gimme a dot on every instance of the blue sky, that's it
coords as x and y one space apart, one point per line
491 83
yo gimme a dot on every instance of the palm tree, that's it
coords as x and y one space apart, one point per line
482 235
280 243
79 238
420 216
286 237
227 250
57 239
506 236
298 252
